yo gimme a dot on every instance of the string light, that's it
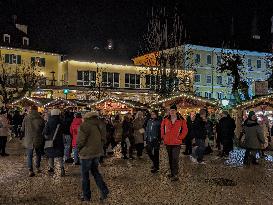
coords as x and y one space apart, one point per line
254 101
27 50
61 100
27 98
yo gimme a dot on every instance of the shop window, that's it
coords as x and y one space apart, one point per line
37 61
110 79
132 80
86 78
12 59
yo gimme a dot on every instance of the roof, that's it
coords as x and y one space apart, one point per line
255 102
29 50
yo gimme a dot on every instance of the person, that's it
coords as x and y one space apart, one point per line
265 127
4 132
254 138
199 132
226 131
57 151
67 120
188 139
173 131
17 123
110 131
138 125
90 141
153 139
77 121
32 127
117 129
127 135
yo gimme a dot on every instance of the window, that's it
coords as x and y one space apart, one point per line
151 81
6 38
219 80
12 59
208 95
198 93
86 78
220 96
110 79
229 80
37 61
219 60
197 59
268 63
209 59
197 78
132 81
259 64
209 79
25 41
249 65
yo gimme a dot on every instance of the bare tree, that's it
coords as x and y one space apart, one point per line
170 61
17 80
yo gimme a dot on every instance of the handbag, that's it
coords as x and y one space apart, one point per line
49 143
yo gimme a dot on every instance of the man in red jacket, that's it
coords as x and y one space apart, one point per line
173 131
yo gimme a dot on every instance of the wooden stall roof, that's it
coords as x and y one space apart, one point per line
193 100
60 100
129 103
263 100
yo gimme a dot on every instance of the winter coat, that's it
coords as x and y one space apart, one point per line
173 134
254 137
110 129
67 120
127 128
17 119
74 130
58 145
199 130
91 138
138 125
190 126
152 131
118 130
226 129
4 126
33 125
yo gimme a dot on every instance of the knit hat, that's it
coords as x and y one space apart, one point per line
173 107
251 113
55 112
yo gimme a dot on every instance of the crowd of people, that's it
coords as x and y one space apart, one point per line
85 139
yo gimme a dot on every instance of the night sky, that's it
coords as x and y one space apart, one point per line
75 27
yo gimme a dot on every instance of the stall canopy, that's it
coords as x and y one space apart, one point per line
60 102
27 101
260 101
115 104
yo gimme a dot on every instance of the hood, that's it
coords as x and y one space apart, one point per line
77 121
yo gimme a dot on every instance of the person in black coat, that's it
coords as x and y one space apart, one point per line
127 132
67 121
226 130
189 137
57 151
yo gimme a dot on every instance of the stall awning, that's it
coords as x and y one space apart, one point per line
27 101
189 100
264 100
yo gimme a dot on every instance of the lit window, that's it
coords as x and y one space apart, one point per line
132 81
219 80
152 81
37 61
209 59
209 79
12 59
86 78
197 59
6 38
259 64
197 78
110 79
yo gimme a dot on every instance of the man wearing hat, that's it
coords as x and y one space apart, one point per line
173 131
90 142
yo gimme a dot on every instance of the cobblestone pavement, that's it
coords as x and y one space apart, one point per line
130 182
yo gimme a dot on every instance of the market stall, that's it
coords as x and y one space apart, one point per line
263 106
26 102
186 104
113 106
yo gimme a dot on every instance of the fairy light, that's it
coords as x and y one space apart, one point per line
26 98
61 100
27 50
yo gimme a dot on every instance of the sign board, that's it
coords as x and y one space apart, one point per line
261 88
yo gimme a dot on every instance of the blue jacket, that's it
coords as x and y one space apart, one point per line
152 131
